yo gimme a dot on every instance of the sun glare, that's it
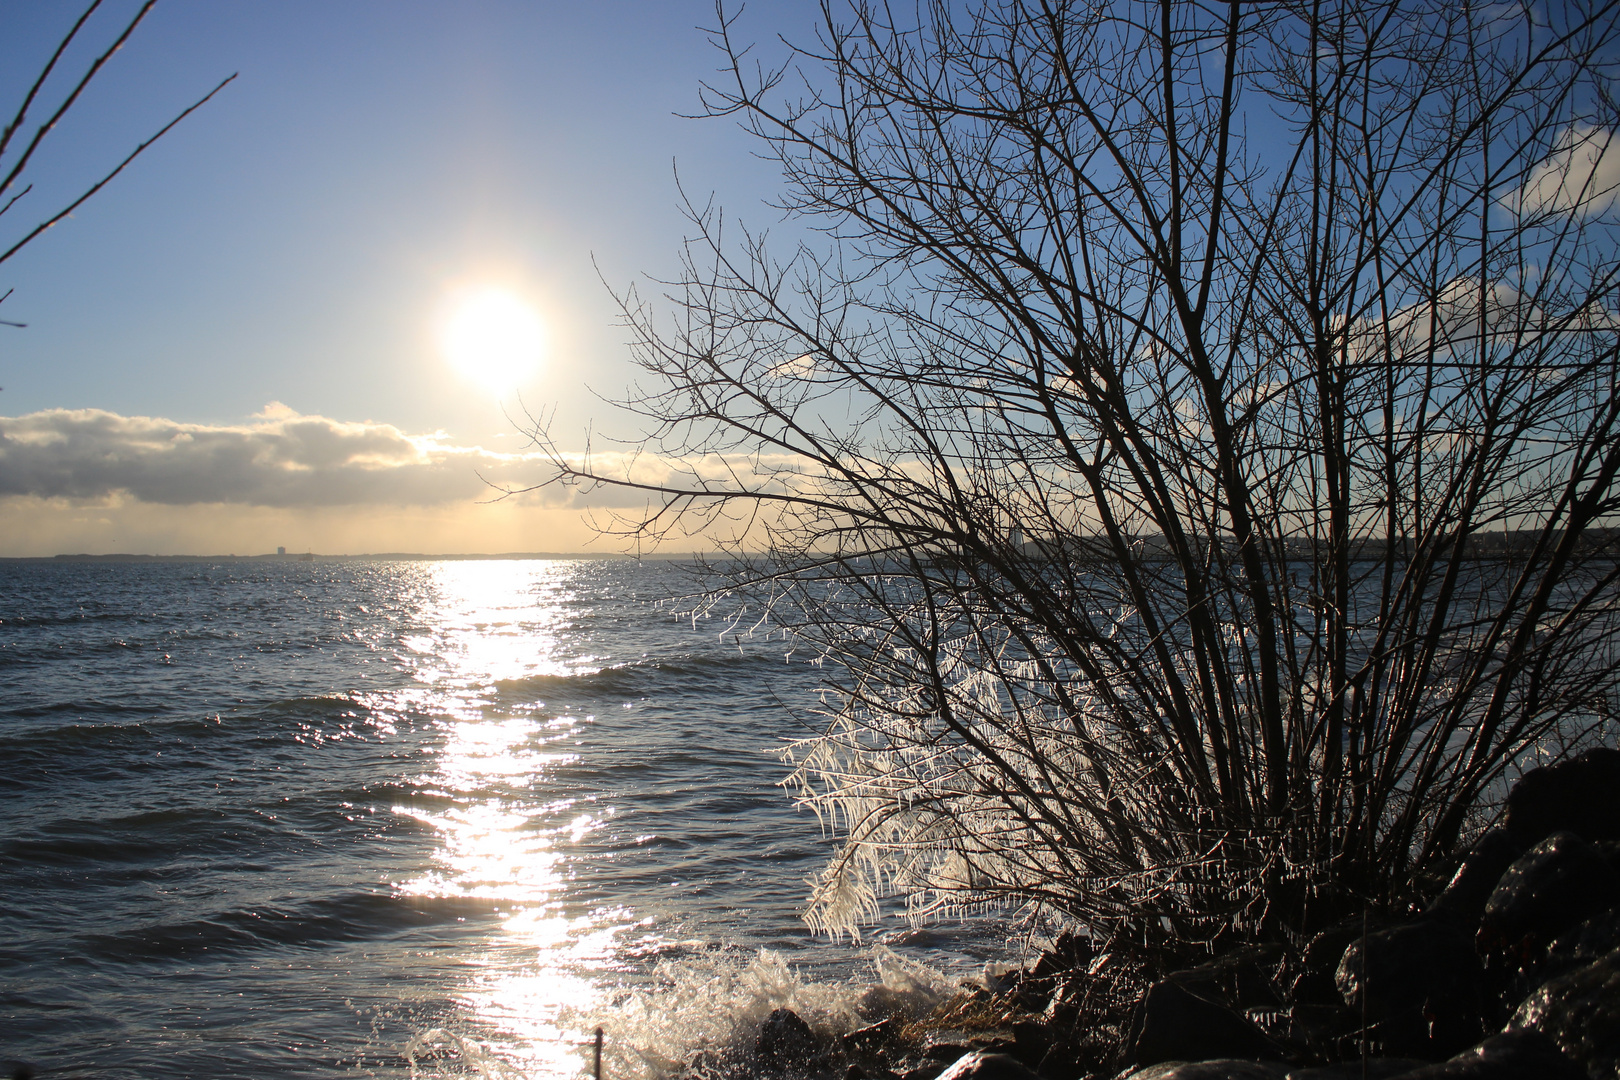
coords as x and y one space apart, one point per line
494 338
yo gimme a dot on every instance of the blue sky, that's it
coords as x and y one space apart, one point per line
297 239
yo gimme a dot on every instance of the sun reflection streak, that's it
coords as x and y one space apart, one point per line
506 834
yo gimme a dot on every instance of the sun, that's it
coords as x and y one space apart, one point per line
493 337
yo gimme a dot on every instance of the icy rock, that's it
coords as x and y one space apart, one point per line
1173 1023
1580 1012
784 1040
1580 794
1552 887
982 1066
1464 899
1421 983
1216 1069
1581 945
1510 1056
1378 1068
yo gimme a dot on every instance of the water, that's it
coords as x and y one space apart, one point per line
363 818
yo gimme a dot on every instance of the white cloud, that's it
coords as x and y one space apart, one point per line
1581 176
278 459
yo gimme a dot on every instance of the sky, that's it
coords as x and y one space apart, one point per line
241 342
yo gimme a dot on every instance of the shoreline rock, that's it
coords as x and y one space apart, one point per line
1512 972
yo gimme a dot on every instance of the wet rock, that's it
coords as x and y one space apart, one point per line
869 1071
1172 1022
1000 978
946 1052
871 1039
1314 983
928 1070
1031 1041
1580 1013
1581 945
880 1002
784 1040
1421 983
983 1066
1064 1061
1580 794
1510 1056
1070 952
1463 900
1215 1069
1245 978
1378 1068
1552 887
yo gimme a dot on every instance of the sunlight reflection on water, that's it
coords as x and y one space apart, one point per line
506 835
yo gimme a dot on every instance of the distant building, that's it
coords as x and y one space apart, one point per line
281 551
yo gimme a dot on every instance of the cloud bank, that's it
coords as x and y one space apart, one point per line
280 459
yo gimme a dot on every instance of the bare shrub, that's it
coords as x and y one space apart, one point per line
1190 439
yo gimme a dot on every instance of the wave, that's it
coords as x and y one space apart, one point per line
353 917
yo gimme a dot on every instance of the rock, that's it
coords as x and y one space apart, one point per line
1463 900
1552 887
1070 952
870 1072
1421 983
1581 945
881 1002
1580 794
1580 1012
1216 1069
784 1040
1062 1062
982 1066
1031 1041
1377 1068
928 1070
1174 1023
1510 1056
872 1038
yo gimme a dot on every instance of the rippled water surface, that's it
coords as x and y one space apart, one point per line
307 819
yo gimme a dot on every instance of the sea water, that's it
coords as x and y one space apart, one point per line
385 818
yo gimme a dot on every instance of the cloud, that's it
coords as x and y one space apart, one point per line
1581 176
279 459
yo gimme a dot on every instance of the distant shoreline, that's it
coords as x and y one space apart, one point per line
383 556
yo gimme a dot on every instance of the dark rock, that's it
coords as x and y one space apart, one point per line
928 1070
1552 887
1215 1069
784 1040
1421 983
982 1066
946 1051
1580 945
869 1071
999 978
1580 794
1378 1068
1070 952
1610 850
872 1038
881 1002
1580 1012
1173 1022
1064 1061
1031 1040
1464 899
1510 1056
